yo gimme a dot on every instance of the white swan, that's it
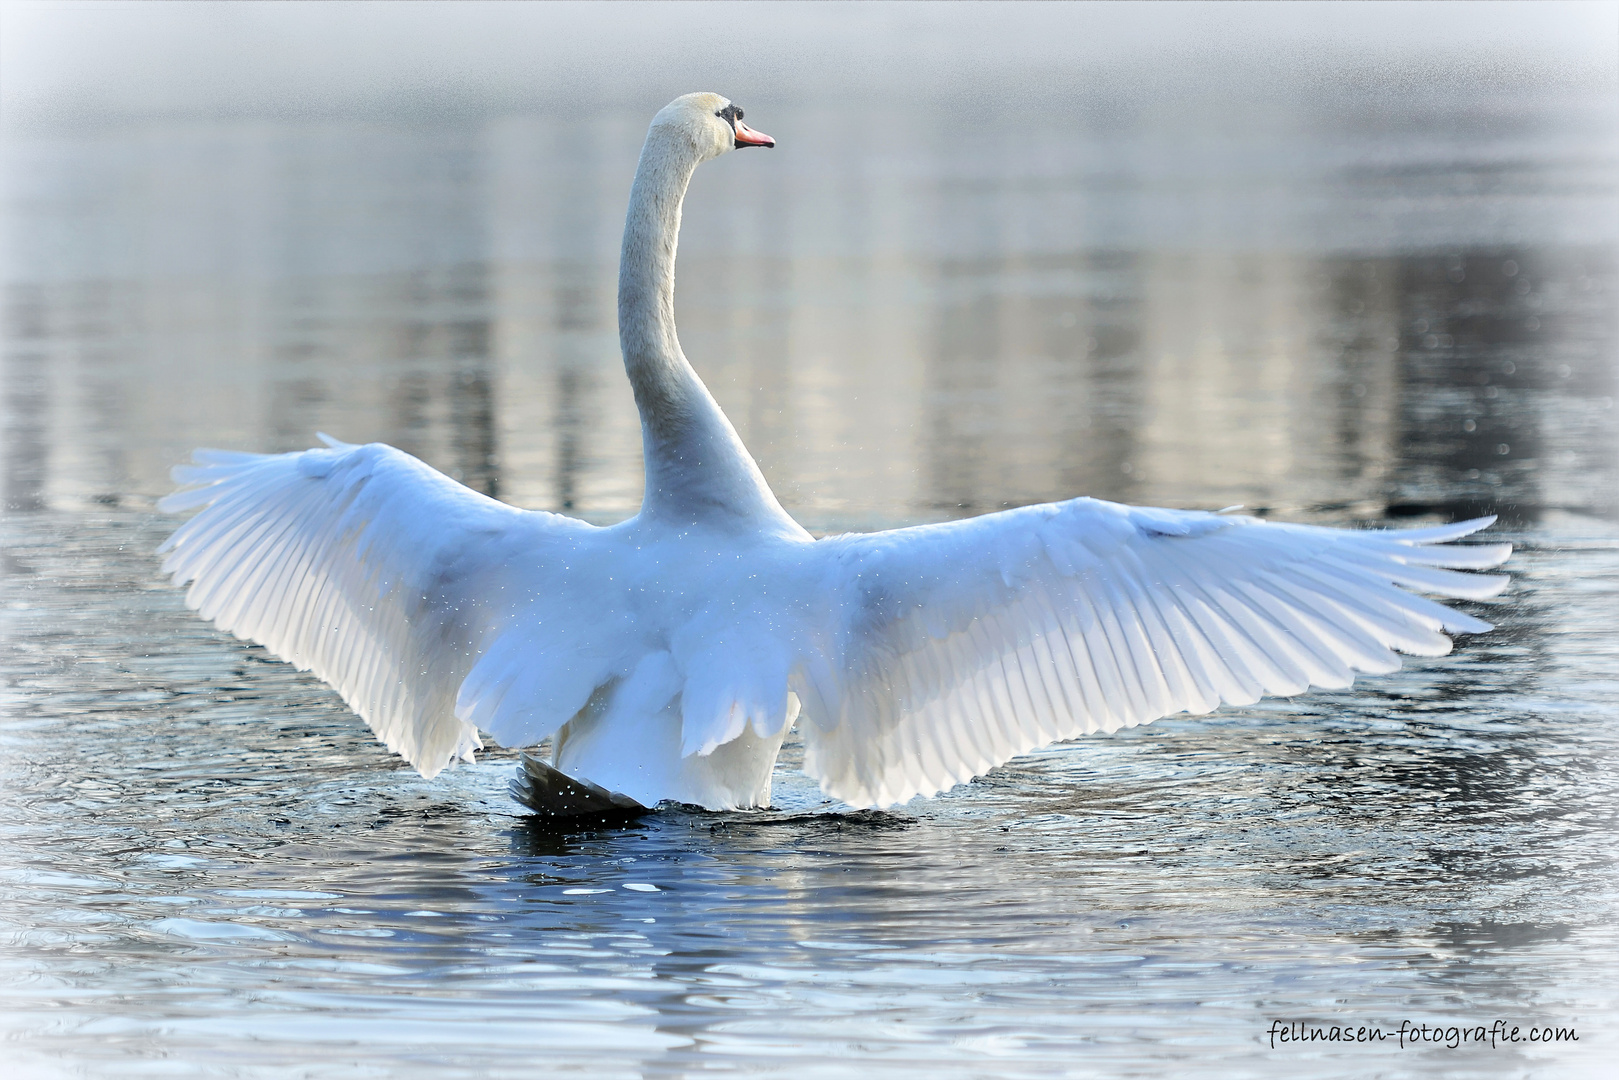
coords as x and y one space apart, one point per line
667 656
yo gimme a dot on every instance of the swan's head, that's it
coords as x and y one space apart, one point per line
708 124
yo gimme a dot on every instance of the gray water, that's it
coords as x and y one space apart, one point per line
1372 310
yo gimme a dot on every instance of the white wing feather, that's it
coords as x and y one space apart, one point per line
384 577
964 644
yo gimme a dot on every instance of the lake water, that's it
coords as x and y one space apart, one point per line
1373 310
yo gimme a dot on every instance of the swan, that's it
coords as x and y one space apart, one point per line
666 657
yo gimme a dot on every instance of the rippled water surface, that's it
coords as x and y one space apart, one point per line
207 866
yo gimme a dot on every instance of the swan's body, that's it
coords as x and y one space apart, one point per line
667 656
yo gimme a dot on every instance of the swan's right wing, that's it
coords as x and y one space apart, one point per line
963 644
384 577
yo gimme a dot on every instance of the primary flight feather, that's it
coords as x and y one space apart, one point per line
667 657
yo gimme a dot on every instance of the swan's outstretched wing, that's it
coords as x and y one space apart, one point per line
383 576
966 643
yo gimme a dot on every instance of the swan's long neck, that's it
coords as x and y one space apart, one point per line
697 470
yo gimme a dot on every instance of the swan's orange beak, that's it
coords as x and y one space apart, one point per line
746 136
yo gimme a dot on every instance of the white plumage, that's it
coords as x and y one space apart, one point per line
667 656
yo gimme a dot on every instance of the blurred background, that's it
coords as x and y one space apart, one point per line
1316 259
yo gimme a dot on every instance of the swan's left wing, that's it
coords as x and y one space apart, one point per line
393 583
960 645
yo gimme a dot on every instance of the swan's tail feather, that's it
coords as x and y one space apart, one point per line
554 794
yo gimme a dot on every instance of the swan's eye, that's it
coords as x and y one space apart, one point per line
730 114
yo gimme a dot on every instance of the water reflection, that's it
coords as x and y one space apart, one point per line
1508 381
26 401
892 335
1328 384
